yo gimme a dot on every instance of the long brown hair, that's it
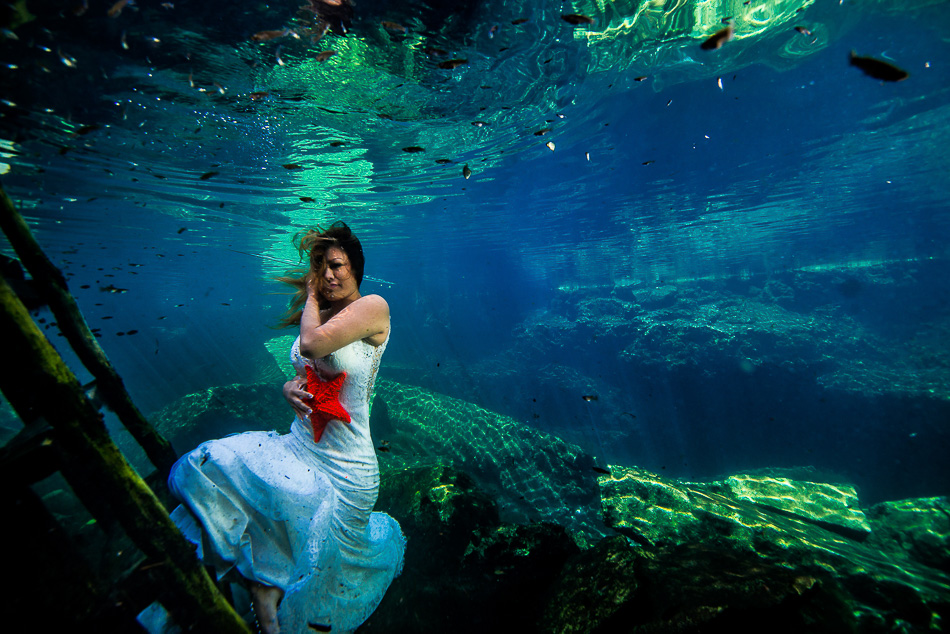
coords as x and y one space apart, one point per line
316 242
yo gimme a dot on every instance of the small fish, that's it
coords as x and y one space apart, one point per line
167 5
383 448
648 162
542 131
719 82
492 30
878 69
113 289
131 332
803 30
719 38
81 9
601 470
412 149
640 78
324 55
86 129
182 230
337 143
466 172
726 20
443 161
307 199
453 63
257 96
116 9
550 145
208 175
293 166
280 60
479 124
66 59
394 28
432 51
221 89
576 18
124 42
273 34
589 397
518 21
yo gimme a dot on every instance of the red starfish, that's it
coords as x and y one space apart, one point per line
326 402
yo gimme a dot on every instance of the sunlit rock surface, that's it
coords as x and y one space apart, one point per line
533 475
830 504
710 557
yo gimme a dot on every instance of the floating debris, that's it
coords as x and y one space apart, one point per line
878 69
550 145
453 63
718 39
576 18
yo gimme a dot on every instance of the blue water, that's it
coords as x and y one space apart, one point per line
799 169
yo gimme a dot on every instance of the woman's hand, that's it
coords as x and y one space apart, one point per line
296 394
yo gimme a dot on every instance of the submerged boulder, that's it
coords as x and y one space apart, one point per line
711 557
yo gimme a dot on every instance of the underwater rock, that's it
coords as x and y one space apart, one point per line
533 475
592 587
222 410
920 528
713 560
464 571
832 505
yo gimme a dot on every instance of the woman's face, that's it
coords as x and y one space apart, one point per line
338 281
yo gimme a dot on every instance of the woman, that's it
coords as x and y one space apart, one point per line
293 513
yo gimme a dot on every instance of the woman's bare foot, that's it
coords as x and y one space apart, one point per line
265 600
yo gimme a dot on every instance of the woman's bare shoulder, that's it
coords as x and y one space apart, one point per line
376 303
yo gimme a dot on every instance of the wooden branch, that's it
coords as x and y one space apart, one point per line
51 284
36 381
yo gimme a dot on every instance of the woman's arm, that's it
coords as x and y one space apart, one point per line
364 318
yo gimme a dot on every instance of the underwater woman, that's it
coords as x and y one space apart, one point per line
292 514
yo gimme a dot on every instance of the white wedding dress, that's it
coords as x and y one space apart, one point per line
288 512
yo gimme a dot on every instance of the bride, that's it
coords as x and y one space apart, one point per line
292 514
